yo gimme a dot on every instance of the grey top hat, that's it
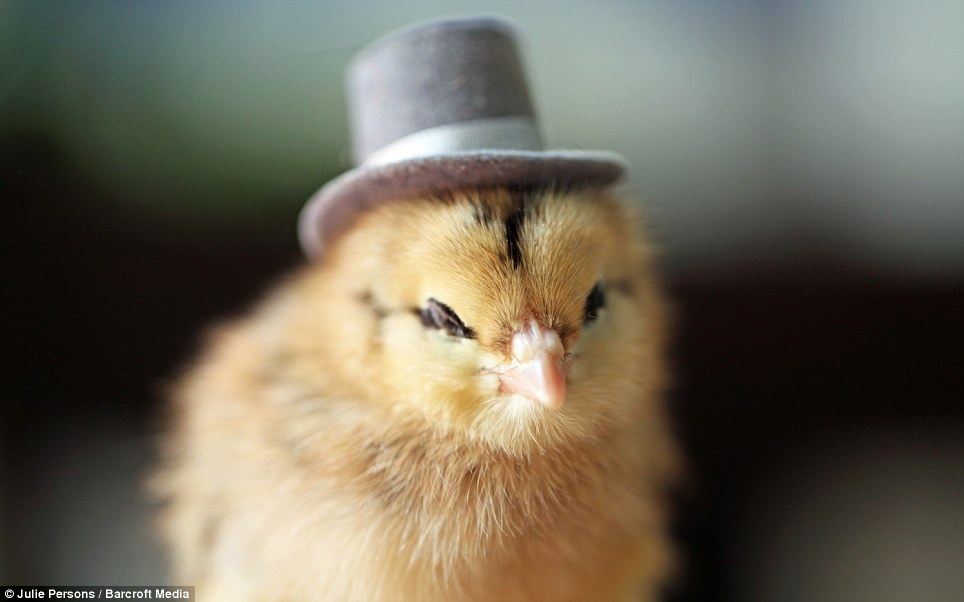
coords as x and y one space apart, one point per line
441 107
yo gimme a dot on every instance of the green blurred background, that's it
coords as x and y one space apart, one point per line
801 165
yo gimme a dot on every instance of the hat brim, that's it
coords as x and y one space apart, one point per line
336 206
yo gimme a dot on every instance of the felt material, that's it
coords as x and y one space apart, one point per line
436 74
419 96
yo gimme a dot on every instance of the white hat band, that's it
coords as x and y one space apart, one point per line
495 134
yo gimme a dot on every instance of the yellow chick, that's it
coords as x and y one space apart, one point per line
462 402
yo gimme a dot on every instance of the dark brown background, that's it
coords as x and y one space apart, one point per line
819 384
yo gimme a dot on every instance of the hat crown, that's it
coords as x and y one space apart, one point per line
438 108
461 81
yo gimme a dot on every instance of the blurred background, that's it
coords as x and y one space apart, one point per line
801 164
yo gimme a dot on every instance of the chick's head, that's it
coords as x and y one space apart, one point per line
521 318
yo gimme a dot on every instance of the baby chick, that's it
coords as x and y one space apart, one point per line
461 402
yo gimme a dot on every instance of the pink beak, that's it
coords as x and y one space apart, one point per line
537 370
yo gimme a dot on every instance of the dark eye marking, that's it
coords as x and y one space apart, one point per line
438 315
624 287
595 301
367 299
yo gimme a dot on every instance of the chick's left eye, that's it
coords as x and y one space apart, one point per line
594 302
438 315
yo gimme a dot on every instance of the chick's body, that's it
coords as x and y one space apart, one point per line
344 442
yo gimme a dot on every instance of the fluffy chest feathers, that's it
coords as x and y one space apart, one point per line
461 403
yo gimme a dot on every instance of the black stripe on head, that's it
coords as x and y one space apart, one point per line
513 232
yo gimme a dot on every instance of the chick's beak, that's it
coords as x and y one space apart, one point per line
536 370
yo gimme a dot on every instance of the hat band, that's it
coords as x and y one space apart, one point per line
514 133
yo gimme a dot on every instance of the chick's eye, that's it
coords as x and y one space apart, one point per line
594 302
439 315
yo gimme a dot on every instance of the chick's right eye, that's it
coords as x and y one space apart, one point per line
438 315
